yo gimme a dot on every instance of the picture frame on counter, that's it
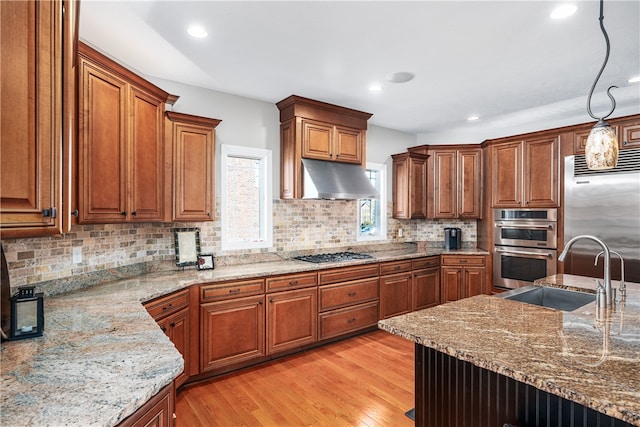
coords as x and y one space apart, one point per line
187 246
205 262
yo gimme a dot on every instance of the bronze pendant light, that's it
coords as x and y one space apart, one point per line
601 150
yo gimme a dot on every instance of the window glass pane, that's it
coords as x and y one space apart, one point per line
244 207
371 214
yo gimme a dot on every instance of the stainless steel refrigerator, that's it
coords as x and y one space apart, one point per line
605 204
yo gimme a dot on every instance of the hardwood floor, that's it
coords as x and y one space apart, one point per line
367 380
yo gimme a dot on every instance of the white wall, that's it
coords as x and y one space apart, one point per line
254 123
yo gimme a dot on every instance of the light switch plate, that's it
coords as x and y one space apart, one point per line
77 255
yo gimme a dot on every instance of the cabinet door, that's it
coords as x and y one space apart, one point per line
474 281
426 288
444 186
395 295
629 135
348 145
506 179
102 135
317 140
176 327
31 118
291 320
231 332
145 166
451 283
193 188
469 183
541 164
401 189
418 188
157 412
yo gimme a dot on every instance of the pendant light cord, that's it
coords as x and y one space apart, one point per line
604 64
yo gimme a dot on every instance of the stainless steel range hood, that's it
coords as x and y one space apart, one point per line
333 180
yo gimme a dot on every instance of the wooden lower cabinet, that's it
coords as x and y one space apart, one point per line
395 289
350 319
426 288
232 331
462 277
291 319
157 412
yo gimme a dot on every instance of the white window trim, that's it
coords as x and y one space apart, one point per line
267 196
382 169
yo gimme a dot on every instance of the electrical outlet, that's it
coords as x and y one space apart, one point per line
400 232
77 255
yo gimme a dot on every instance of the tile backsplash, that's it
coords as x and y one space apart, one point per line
298 226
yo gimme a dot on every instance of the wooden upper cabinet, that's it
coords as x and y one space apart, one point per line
317 130
525 173
191 142
120 147
455 182
409 185
627 129
36 38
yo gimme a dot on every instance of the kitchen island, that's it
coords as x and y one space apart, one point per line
572 364
103 356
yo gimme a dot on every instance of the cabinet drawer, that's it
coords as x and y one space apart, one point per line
394 267
167 305
231 290
428 262
346 274
462 260
338 322
292 281
340 295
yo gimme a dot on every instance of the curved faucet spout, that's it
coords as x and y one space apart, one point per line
607 262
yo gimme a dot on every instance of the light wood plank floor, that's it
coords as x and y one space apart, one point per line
363 381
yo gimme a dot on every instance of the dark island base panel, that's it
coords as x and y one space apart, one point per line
454 393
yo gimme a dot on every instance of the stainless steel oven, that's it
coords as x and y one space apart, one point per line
525 246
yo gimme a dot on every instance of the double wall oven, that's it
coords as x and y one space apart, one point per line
525 246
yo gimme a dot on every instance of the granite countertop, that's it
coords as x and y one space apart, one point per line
588 357
102 356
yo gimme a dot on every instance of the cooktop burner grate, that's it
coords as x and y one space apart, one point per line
334 257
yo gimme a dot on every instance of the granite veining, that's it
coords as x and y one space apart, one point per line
102 356
588 356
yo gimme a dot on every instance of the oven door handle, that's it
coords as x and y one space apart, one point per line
507 251
535 227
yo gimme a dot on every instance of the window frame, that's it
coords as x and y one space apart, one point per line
381 169
266 218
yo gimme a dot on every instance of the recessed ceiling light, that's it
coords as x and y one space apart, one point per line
473 118
375 88
400 77
635 79
197 32
563 11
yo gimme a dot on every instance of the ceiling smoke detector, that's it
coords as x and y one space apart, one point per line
400 77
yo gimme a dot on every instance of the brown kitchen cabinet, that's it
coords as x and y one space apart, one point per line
425 282
462 277
627 129
454 183
317 130
395 288
38 42
171 312
347 300
409 185
120 143
190 140
291 319
159 411
525 173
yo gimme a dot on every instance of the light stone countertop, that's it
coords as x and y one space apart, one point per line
589 358
102 356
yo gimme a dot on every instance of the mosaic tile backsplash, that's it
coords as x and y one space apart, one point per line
109 250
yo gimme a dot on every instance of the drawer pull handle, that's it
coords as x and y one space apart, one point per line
353 319
234 291
397 267
172 324
351 294
293 283
164 329
167 307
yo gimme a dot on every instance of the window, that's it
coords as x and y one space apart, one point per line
246 197
372 213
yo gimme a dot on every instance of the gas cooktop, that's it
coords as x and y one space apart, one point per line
334 257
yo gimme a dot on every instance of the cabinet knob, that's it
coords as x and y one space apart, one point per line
209 214
134 213
172 324
123 213
351 294
164 329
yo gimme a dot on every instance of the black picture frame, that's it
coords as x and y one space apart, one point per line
205 262
187 246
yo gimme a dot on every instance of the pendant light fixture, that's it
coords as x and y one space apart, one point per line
601 150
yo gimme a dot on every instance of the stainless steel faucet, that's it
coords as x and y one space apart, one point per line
609 298
623 287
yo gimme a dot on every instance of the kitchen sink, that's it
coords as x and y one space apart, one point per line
560 299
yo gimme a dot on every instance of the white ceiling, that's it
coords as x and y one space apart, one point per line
505 61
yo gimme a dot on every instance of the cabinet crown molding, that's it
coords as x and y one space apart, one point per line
297 106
